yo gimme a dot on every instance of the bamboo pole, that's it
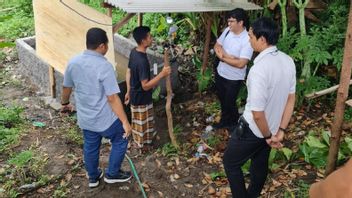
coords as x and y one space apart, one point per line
168 102
342 95
140 19
324 91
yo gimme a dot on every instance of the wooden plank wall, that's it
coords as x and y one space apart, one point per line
61 31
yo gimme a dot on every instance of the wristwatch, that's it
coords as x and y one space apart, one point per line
282 129
268 137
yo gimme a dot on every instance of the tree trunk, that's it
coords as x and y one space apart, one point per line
168 102
209 20
342 95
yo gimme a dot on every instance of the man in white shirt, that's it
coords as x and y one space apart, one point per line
234 51
271 97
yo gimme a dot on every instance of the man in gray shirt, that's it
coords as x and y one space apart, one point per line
99 109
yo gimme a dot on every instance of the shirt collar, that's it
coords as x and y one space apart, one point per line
243 33
265 52
93 53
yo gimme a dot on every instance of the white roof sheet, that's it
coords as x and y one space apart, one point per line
169 6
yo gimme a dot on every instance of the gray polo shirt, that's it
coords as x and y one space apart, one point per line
93 79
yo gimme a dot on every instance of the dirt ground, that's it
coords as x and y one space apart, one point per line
183 175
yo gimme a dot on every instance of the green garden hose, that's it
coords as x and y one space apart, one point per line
133 168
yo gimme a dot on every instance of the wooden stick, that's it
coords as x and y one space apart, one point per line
323 92
209 20
52 81
168 102
341 98
122 22
140 19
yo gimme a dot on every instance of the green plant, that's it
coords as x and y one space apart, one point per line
217 174
203 78
314 83
20 161
213 140
61 191
156 94
75 135
348 114
10 116
169 150
212 108
178 129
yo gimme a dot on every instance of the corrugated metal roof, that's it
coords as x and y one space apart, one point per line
169 6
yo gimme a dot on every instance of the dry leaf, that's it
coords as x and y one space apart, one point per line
71 162
160 194
189 185
176 176
68 177
158 163
76 187
211 190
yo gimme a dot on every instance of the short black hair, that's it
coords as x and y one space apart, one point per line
140 33
266 28
95 37
240 15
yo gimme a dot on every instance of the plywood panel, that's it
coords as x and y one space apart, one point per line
61 30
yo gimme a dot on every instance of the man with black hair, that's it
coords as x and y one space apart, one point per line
140 86
271 97
99 109
234 51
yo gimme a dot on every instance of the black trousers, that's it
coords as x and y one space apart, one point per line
227 91
241 147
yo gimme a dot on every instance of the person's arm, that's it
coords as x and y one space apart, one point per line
234 61
128 86
261 122
285 118
150 84
65 96
117 108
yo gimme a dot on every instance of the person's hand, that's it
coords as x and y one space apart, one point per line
127 98
279 136
219 52
166 71
66 109
128 129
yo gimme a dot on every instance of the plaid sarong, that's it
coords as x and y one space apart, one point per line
142 124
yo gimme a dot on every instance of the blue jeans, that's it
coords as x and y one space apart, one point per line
91 148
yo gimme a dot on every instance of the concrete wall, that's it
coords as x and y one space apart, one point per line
37 71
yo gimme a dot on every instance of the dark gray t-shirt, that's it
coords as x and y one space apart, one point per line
140 70
93 79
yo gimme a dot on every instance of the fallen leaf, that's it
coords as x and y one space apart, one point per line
189 185
76 187
71 162
158 163
211 190
68 177
160 194
176 176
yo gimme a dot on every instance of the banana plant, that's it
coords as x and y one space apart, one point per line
282 4
301 5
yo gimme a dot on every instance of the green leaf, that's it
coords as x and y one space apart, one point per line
348 140
21 159
156 93
313 141
326 137
287 152
6 44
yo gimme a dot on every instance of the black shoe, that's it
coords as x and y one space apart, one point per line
123 176
95 182
219 125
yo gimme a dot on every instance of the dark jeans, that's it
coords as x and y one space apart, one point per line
241 148
227 91
91 148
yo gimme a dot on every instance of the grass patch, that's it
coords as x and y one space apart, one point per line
74 135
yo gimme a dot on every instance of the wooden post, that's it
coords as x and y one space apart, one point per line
209 20
109 12
140 19
52 81
168 102
342 95
122 22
